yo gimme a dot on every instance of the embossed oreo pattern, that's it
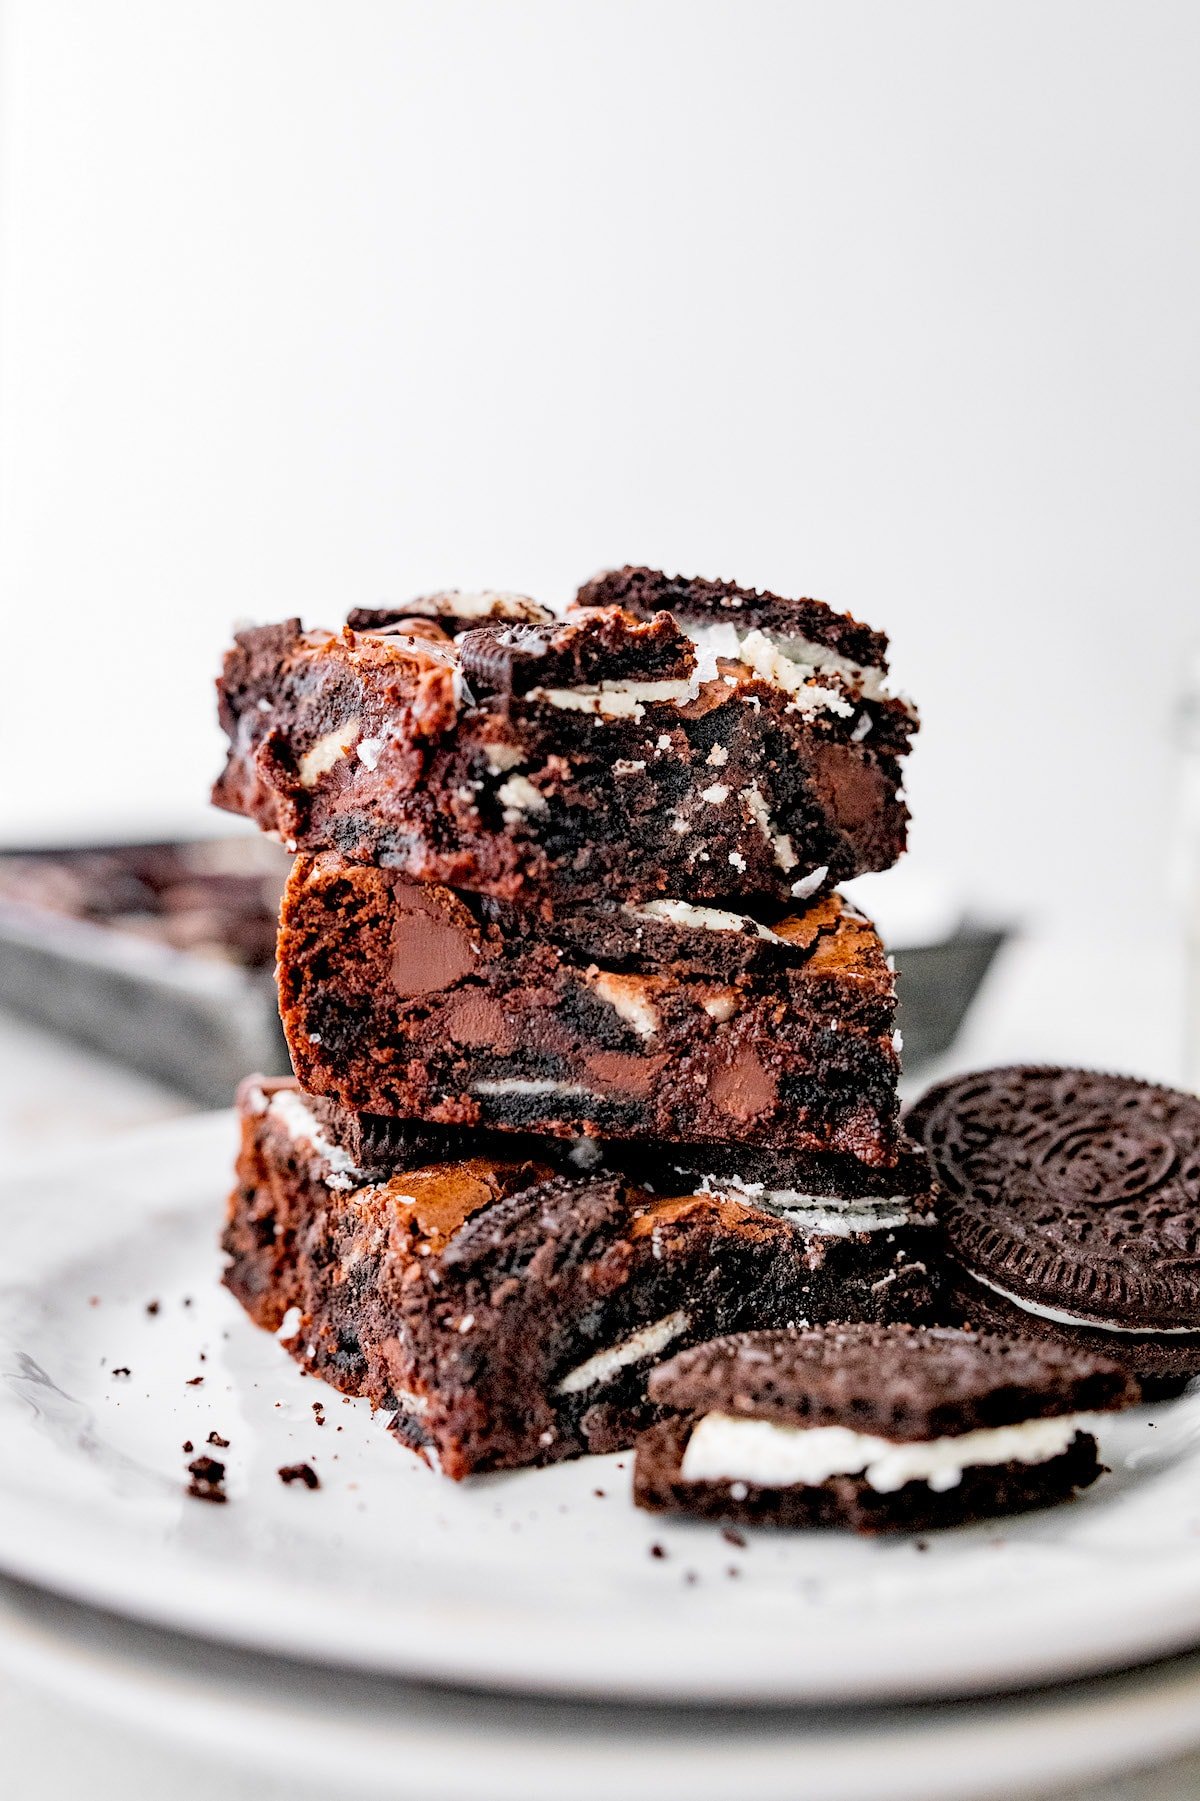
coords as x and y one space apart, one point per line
1072 1189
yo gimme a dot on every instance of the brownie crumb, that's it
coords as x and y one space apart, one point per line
192 1381
208 1476
599 1493
188 1446
214 1438
733 1537
122 1370
152 1308
658 1551
299 1472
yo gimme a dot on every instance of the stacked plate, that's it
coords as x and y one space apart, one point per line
517 1634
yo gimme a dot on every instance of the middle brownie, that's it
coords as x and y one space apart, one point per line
661 1020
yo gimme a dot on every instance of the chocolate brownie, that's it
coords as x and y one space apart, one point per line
505 1313
595 758
881 1428
660 1020
1072 1210
869 1234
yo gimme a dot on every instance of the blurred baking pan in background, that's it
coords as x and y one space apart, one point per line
159 955
162 956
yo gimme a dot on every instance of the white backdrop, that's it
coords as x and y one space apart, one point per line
305 305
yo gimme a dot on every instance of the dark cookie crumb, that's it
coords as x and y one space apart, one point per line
208 1476
122 1370
194 1381
152 1308
299 1472
188 1446
214 1438
733 1537
658 1550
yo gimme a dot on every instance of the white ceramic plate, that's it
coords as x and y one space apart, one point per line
306 1732
540 1580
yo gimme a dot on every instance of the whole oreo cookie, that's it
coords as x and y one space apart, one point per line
1072 1194
880 1428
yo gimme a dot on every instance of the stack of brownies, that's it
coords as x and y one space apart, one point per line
594 1062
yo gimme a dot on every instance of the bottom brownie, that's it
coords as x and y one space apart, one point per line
507 1313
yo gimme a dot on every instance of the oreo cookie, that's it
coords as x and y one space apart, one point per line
1070 1202
880 1428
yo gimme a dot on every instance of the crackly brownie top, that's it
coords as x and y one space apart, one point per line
1073 1190
569 1220
698 601
898 1382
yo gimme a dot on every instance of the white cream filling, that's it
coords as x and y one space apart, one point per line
718 639
304 1128
708 919
524 1085
834 1215
483 605
781 844
519 796
320 758
502 757
726 1448
777 665
629 998
646 1342
793 663
809 884
615 699
1060 1317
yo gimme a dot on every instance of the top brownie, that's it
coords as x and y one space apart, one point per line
625 751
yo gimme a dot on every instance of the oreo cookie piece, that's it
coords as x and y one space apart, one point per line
1071 1206
879 1428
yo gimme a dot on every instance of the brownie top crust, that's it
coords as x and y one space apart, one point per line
901 1382
699 602
1073 1193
